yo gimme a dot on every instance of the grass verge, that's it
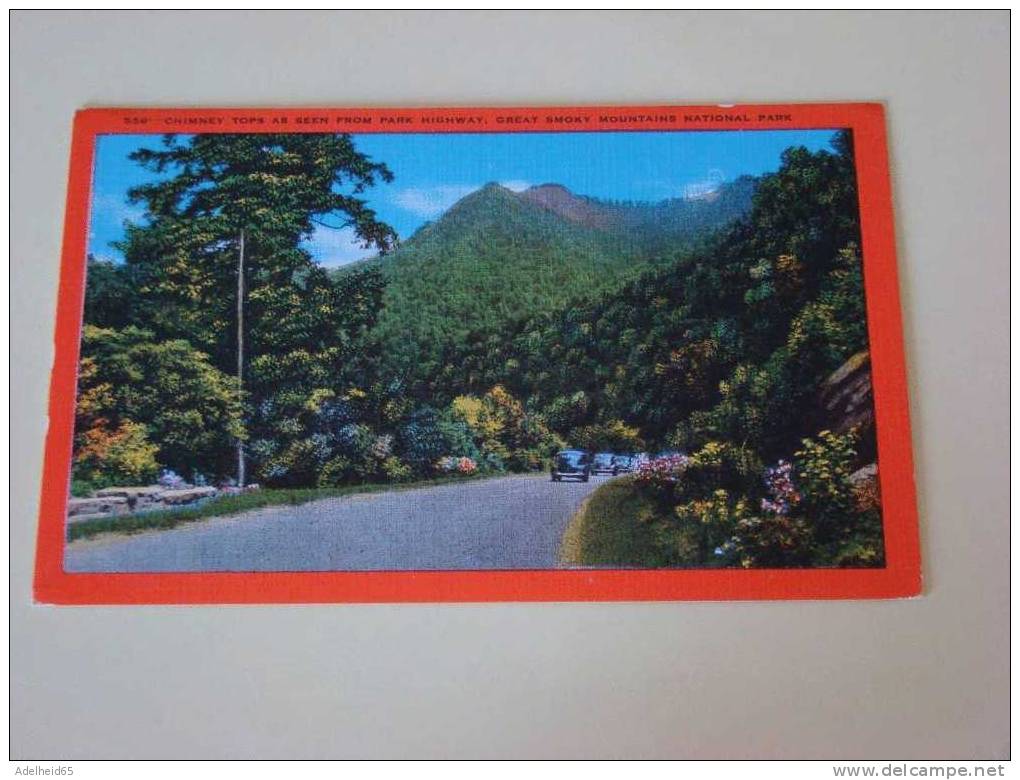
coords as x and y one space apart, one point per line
611 528
223 506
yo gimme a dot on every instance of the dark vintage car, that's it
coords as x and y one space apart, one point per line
603 463
575 464
623 464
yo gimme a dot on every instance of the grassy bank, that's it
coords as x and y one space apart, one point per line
223 506
613 528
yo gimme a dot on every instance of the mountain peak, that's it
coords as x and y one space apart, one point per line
487 193
656 226
559 200
549 186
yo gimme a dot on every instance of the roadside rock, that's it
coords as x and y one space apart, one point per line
125 500
98 505
234 490
864 474
117 501
149 491
137 497
866 487
186 495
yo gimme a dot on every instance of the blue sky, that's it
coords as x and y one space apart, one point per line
433 171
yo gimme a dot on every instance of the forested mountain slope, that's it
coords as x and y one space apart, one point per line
497 255
651 228
729 340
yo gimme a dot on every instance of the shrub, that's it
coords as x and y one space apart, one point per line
382 446
678 544
782 492
661 474
190 410
354 441
770 540
525 460
496 452
108 456
613 435
458 439
82 488
169 478
864 545
812 515
296 465
720 465
446 464
824 466
491 461
867 495
703 498
503 433
566 412
395 471
337 472
709 522
421 439
453 465
846 517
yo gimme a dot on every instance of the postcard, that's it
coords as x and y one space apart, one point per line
478 354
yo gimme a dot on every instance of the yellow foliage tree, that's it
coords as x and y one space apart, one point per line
121 455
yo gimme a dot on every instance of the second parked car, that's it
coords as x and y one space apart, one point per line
603 463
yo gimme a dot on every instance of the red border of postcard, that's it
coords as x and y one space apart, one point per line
900 577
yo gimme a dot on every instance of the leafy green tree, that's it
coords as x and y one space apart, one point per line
137 391
213 194
108 294
275 188
564 412
613 436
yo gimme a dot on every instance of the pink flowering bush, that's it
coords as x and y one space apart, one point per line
776 537
810 514
454 465
782 492
661 473
702 498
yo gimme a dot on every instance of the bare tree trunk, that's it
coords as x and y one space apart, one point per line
240 351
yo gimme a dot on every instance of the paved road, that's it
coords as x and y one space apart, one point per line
511 522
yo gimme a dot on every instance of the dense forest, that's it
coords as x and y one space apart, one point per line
497 254
517 324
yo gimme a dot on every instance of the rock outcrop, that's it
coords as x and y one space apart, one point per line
845 396
845 401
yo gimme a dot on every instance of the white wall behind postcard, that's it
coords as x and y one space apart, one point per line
921 678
